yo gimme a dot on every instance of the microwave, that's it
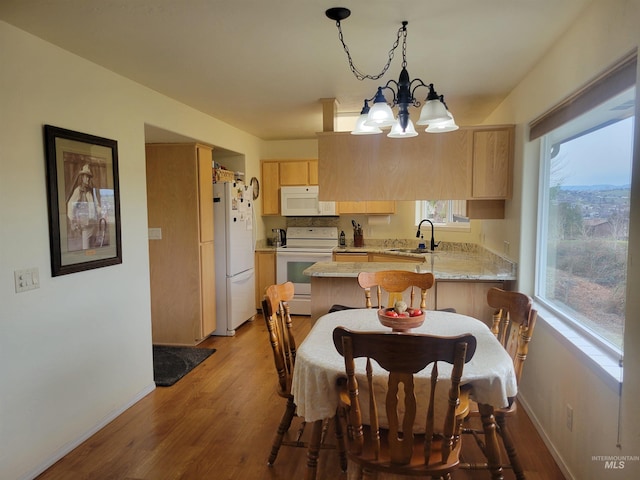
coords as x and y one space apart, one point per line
303 202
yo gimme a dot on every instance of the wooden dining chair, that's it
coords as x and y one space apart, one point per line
514 319
395 283
397 448
275 308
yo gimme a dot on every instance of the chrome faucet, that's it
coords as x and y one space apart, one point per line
433 242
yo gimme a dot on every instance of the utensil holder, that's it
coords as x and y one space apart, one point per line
358 240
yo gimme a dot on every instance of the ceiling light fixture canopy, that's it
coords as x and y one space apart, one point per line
434 112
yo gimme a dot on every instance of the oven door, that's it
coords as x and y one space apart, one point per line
289 267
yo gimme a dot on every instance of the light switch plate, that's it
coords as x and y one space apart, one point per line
28 279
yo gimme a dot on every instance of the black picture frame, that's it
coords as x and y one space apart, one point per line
83 201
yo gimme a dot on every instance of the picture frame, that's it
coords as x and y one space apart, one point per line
83 201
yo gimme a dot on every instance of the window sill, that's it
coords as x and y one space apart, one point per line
602 361
453 227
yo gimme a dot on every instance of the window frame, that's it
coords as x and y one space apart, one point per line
544 185
419 214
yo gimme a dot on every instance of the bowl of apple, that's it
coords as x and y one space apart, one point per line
400 318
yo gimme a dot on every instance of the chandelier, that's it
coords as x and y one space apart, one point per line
380 115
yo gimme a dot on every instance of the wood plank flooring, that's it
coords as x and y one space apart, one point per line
218 423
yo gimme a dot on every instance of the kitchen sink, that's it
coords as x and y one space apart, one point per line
411 250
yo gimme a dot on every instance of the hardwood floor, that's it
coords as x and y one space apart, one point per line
218 422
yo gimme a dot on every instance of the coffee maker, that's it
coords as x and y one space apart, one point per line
279 237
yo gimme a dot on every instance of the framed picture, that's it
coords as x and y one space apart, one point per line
84 201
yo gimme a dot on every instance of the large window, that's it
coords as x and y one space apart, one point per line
584 218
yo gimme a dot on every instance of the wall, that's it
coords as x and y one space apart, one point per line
555 374
76 351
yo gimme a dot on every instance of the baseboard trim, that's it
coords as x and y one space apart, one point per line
545 438
65 449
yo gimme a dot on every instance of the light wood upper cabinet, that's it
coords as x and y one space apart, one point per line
313 172
270 186
375 167
371 207
492 163
294 173
471 163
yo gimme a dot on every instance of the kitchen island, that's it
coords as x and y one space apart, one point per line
462 278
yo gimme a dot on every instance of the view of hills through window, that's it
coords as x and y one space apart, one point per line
587 227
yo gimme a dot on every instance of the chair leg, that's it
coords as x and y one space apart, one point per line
285 423
510 447
314 450
342 449
491 441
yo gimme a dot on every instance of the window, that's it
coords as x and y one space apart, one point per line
583 222
443 213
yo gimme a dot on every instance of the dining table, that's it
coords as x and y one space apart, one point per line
489 375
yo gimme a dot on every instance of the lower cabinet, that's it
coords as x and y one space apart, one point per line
382 257
468 298
265 274
350 257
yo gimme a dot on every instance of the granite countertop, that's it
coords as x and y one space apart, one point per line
452 262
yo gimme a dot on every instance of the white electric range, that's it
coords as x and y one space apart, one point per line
305 246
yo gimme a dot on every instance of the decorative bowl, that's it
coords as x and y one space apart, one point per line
400 323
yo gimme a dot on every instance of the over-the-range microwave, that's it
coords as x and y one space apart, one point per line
303 202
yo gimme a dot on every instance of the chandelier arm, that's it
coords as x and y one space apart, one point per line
417 103
393 92
356 72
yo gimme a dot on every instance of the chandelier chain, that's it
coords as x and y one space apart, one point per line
402 31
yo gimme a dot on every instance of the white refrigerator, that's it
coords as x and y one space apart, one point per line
234 242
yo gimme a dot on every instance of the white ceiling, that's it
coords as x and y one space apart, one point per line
262 66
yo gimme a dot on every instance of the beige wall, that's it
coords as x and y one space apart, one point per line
76 351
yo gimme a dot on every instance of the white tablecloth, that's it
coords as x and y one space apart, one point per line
318 364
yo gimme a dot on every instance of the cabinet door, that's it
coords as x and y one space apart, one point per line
381 257
380 207
205 192
492 160
468 298
208 289
350 257
294 172
270 187
313 172
351 207
265 274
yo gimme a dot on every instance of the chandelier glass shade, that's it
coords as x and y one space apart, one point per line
380 115
361 128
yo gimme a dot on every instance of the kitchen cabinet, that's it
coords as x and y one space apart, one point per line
371 207
276 173
492 163
265 265
181 248
467 297
471 163
350 257
375 167
270 186
383 257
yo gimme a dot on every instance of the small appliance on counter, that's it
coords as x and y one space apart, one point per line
279 237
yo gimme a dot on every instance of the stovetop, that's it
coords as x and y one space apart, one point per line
311 238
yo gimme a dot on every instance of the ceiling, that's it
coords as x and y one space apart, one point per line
262 66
